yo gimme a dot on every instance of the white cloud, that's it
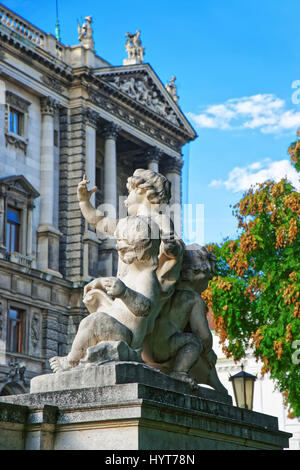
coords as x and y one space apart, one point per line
241 178
265 112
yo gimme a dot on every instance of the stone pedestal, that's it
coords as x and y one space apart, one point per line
129 406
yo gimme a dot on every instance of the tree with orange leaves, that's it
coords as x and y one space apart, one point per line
255 295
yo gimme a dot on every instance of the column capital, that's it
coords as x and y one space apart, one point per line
48 105
92 117
111 130
154 155
174 166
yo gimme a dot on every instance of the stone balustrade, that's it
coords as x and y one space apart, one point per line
30 33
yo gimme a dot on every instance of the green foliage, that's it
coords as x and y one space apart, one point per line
255 294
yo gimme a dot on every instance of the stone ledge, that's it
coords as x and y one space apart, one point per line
127 405
114 373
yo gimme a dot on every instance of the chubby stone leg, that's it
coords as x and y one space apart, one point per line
96 327
189 348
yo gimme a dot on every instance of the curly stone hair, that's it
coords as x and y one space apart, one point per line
157 186
198 257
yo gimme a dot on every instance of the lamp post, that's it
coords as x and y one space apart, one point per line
243 387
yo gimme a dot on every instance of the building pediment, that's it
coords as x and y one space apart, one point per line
19 184
140 84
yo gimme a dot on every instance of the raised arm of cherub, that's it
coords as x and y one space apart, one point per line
93 216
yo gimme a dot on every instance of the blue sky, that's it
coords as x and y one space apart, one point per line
235 63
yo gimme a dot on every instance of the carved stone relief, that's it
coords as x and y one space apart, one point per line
35 329
141 89
132 118
52 83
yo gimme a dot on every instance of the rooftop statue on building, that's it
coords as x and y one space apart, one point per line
172 89
85 33
134 47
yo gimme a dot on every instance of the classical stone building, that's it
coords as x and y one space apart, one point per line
66 112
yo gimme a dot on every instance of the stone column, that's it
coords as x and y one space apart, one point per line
173 173
110 134
90 240
48 235
153 159
91 126
47 161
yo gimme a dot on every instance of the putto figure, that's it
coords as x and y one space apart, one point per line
152 311
119 322
181 342
85 33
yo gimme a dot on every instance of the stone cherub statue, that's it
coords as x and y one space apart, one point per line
153 310
85 33
119 324
181 342
149 192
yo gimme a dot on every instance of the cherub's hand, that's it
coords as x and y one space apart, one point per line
95 284
114 286
83 194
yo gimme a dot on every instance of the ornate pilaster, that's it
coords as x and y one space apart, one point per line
48 235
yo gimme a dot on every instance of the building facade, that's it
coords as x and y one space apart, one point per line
66 112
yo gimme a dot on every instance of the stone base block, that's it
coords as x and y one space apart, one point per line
130 406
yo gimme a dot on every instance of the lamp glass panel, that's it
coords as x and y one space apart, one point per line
249 393
238 385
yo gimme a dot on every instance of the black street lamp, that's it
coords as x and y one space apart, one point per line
243 387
